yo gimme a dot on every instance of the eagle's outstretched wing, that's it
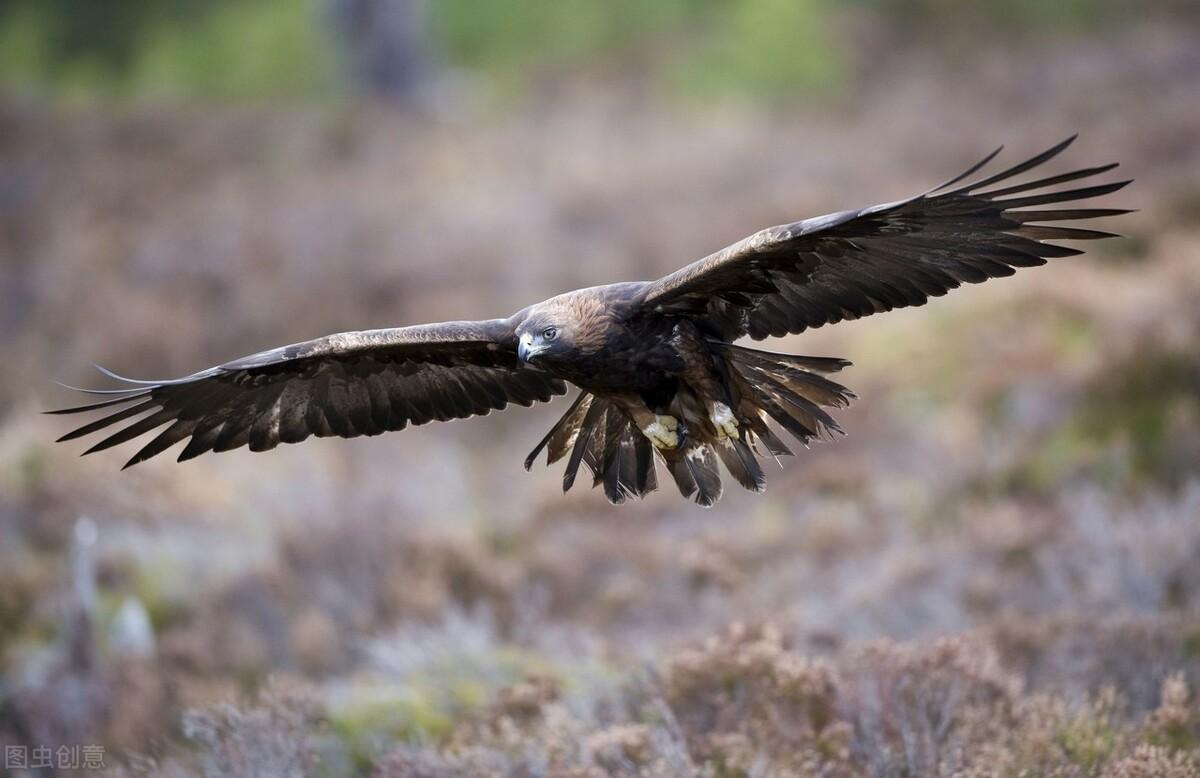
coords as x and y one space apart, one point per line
851 264
354 383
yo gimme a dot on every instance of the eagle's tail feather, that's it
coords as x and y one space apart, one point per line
624 464
562 435
599 434
791 390
694 468
741 463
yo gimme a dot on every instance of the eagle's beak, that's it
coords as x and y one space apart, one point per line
527 349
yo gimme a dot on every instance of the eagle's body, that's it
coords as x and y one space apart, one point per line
616 350
655 361
655 380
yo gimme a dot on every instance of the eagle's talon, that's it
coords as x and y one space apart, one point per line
723 420
663 431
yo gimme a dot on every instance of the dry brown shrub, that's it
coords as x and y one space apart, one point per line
1176 721
742 696
622 746
526 700
1079 656
707 564
922 709
1154 762
123 704
273 737
411 762
1074 738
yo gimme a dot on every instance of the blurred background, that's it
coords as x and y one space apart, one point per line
996 571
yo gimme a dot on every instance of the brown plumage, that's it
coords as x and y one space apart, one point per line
655 361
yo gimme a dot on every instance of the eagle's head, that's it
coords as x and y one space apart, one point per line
538 341
558 328
545 335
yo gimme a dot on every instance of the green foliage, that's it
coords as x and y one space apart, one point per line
1137 402
756 47
159 587
75 44
222 49
508 39
366 726
1021 16
255 49
766 48
1088 741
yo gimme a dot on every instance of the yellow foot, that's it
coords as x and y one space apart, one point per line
663 431
723 419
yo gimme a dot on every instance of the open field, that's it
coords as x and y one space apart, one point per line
997 572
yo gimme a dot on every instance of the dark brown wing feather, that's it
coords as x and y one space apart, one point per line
354 383
851 264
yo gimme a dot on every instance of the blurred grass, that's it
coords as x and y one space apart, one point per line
764 49
243 50
1020 15
239 50
512 41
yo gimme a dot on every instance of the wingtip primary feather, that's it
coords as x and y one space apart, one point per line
969 171
161 381
95 406
98 391
104 370
1017 169
1083 193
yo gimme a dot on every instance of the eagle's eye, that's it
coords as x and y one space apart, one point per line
550 333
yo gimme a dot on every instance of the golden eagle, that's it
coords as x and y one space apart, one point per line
655 361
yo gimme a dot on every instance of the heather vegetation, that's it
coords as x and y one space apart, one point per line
996 573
